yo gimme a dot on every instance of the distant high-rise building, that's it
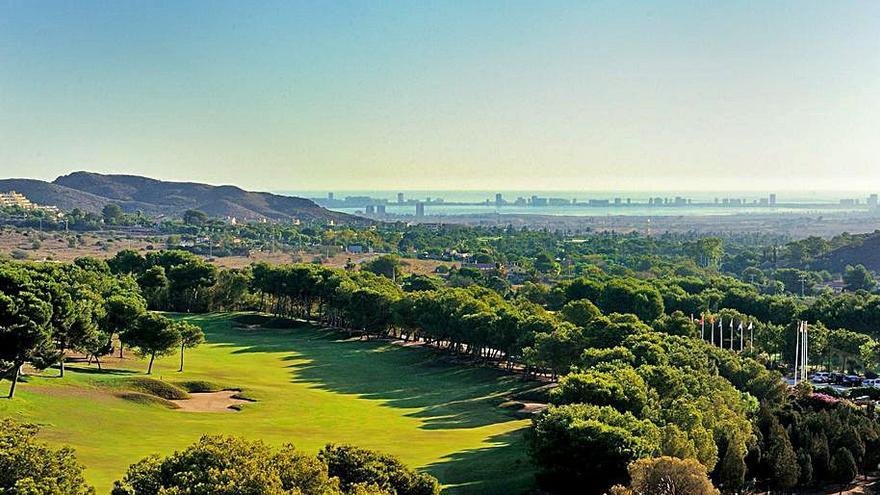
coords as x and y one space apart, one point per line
873 201
499 199
330 196
420 209
380 210
370 209
772 200
399 198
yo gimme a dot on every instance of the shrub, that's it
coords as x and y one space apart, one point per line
156 388
355 466
199 386
28 466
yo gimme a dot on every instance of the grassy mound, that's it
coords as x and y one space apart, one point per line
156 388
200 386
250 319
244 396
265 321
147 400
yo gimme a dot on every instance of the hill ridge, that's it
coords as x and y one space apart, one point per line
90 191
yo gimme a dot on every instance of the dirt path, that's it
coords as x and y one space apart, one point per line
210 402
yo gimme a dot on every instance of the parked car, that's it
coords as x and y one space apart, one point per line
852 380
820 377
871 382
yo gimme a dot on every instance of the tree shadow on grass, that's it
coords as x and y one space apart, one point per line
442 394
102 372
503 466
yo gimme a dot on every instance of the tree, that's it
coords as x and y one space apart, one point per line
152 335
545 263
732 471
28 466
858 278
784 468
233 466
617 386
127 261
706 251
387 265
581 445
356 466
228 466
631 296
415 282
25 332
154 284
63 317
188 280
231 289
121 311
195 217
190 336
668 476
112 214
580 312
843 466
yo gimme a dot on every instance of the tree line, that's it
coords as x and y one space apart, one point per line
49 310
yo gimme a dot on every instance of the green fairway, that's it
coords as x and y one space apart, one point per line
312 387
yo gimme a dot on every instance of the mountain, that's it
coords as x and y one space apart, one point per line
90 192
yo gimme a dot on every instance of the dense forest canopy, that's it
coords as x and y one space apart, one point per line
623 324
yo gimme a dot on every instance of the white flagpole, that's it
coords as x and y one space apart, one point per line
712 331
741 332
731 334
797 351
721 332
702 327
806 359
751 337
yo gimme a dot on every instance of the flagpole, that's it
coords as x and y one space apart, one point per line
806 360
797 351
751 337
731 333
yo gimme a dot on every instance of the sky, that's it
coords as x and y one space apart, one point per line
505 95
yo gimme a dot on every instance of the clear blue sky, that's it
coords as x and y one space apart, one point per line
446 95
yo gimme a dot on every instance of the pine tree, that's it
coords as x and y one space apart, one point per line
784 468
843 466
806 464
821 455
732 472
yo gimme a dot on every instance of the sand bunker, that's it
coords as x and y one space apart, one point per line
222 401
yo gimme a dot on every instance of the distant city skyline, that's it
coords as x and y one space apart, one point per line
673 96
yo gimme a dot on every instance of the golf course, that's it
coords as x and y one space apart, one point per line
297 384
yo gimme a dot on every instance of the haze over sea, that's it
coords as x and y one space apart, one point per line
817 202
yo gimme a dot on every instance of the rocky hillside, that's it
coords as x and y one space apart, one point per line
90 192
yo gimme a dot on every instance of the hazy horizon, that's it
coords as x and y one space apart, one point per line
675 96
